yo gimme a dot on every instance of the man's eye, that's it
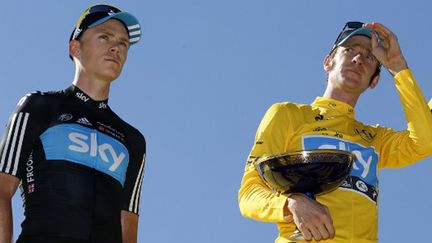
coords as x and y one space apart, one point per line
349 49
105 37
371 58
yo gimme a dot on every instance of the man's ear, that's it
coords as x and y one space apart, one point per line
74 48
328 63
374 82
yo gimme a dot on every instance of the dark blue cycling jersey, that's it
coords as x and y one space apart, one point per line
78 162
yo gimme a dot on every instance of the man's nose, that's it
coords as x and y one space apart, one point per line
115 48
358 58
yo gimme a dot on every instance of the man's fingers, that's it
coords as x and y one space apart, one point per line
380 28
323 232
326 228
330 229
316 234
305 231
374 41
312 218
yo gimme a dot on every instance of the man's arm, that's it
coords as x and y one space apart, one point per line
402 148
129 222
8 187
132 189
256 200
259 202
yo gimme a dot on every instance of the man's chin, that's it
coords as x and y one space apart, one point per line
111 74
110 77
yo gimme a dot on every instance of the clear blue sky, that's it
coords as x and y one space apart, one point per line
197 86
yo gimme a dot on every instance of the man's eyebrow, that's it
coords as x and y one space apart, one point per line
360 45
111 34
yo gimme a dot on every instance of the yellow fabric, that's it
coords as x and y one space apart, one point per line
330 124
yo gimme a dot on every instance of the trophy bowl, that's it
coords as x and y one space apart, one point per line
308 171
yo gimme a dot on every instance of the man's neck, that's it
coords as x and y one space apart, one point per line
96 89
339 95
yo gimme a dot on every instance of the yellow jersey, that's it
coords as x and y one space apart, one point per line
330 124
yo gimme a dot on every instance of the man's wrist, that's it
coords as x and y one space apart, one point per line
397 67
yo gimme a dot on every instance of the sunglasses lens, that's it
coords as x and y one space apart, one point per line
347 29
104 8
353 25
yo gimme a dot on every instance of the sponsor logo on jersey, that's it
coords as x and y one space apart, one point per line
31 188
30 175
82 96
365 134
84 121
65 117
111 131
365 163
103 105
319 129
361 186
339 135
357 185
88 147
319 117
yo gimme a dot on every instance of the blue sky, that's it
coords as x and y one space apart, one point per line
197 86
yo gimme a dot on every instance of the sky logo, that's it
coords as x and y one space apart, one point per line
365 164
85 146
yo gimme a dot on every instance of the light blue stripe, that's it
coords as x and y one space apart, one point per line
88 147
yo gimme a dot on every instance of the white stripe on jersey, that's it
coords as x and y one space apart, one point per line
12 149
6 146
136 193
17 128
138 198
18 153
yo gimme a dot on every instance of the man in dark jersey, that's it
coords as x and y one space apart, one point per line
79 166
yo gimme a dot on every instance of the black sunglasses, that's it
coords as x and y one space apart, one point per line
103 8
348 29
90 16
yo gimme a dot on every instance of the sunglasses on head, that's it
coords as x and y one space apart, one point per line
104 8
348 29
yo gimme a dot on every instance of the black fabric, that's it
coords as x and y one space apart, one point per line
66 197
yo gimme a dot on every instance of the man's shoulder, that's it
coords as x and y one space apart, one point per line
132 132
136 133
369 127
291 107
39 98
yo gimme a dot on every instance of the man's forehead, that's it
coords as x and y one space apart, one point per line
359 40
112 25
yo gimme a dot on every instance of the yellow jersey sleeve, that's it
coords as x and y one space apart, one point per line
403 148
256 199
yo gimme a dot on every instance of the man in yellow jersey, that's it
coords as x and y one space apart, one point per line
350 213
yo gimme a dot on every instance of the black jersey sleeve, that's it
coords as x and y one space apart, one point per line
134 174
21 132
